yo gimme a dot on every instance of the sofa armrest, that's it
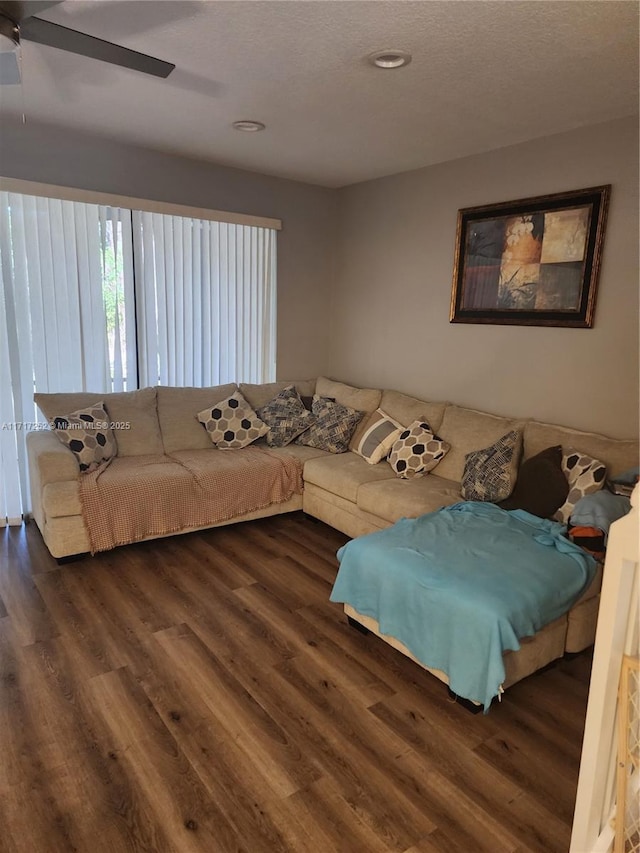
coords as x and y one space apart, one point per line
49 462
49 459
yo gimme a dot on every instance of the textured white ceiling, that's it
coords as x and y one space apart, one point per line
484 75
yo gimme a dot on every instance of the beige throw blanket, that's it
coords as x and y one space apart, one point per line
136 497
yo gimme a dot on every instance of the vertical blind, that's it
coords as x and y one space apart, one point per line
206 313
106 299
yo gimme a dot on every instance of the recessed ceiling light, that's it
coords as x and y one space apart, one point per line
248 126
389 58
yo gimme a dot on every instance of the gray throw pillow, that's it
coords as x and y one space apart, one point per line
377 437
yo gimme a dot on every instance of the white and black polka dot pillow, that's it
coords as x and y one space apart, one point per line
585 476
86 433
232 423
417 451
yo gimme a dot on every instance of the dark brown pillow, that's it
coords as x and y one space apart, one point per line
307 402
541 487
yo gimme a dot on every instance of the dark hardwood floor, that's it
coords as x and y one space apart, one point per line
200 693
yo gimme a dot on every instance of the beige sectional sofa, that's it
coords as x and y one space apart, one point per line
342 490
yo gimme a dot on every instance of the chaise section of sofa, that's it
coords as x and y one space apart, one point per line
358 498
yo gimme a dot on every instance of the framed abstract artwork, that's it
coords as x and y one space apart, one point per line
532 262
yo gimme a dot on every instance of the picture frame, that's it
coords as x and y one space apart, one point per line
530 262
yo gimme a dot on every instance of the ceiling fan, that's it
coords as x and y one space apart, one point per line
18 22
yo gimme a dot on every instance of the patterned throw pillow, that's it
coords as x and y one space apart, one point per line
490 474
380 433
86 432
286 417
416 451
232 423
585 476
331 427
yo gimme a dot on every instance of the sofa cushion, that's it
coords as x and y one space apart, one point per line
585 476
490 473
331 427
177 413
394 498
467 430
541 487
302 453
361 399
617 454
232 424
286 417
343 475
417 451
258 395
137 432
407 409
87 434
339 513
378 437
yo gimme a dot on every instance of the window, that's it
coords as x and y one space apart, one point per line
102 298
206 307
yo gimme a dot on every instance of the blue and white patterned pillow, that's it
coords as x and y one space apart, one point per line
490 473
332 426
286 417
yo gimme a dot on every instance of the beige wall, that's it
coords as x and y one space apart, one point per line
305 245
390 319
385 320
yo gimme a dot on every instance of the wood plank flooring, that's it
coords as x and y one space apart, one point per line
201 693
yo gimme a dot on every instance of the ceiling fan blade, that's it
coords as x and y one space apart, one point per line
18 10
55 35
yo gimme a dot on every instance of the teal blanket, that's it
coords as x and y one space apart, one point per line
462 585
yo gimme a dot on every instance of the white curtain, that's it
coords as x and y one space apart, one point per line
206 301
94 298
58 332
